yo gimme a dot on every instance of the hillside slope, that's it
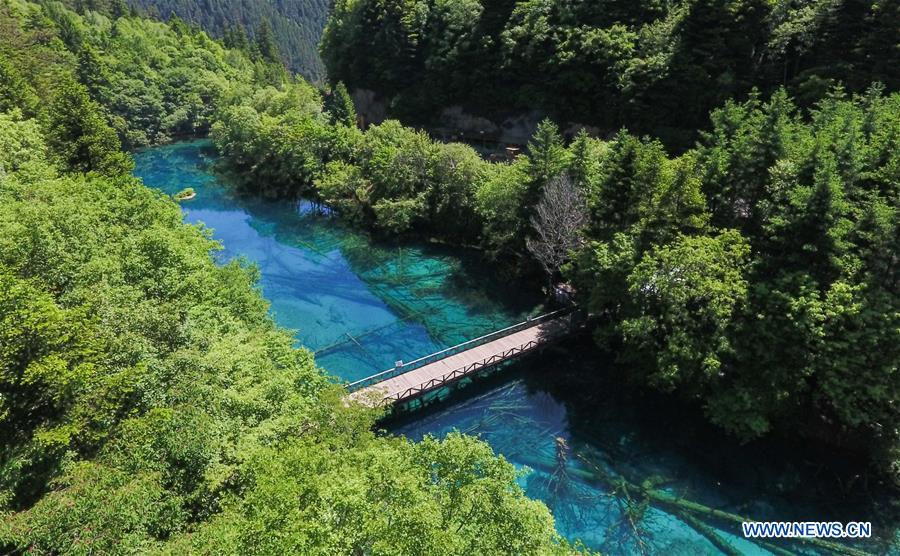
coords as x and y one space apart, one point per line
296 24
148 403
653 67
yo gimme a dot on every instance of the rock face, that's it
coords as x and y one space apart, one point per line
454 118
369 107
454 123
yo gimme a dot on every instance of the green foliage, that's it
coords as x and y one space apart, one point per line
777 306
152 81
389 497
685 295
265 43
295 27
23 150
547 155
15 92
340 106
279 138
95 508
148 404
390 177
651 66
499 202
77 131
343 187
184 194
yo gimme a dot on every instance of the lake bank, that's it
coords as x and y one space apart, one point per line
362 305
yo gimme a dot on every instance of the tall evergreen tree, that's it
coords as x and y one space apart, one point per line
265 42
235 36
340 106
77 131
547 154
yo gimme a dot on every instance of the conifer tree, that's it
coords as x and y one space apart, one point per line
77 131
265 42
340 106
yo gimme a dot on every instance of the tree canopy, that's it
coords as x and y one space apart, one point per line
651 66
148 403
293 27
734 274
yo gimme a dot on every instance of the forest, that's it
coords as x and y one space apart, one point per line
734 238
290 30
754 274
148 404
651 66
294 26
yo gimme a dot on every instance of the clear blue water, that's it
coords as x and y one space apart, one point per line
361 306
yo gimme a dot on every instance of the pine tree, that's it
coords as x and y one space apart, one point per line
583 167
236 37
340 106
80 136
265 42
547 153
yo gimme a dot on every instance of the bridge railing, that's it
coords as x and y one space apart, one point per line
453 350
457 374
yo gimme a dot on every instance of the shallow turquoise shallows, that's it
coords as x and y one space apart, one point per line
362 306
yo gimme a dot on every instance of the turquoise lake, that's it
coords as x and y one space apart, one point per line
362 306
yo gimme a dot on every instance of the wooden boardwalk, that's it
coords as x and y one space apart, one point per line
410 380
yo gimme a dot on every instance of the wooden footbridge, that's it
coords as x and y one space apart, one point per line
406 381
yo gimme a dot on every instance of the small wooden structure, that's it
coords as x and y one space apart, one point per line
406 381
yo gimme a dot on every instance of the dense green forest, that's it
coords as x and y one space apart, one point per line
295 26
288 31
651 66
147 401
755 274
152 81
149 404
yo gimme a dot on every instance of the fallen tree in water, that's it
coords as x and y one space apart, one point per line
696 515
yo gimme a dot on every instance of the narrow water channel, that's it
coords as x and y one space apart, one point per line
583 444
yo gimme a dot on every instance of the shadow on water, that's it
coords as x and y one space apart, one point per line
628 472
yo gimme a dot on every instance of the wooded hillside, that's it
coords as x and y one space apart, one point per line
148 403
651 66
295 25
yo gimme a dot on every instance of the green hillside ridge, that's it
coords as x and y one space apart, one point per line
296 25
148 404
651 66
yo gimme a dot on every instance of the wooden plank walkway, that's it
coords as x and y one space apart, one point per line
457 365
